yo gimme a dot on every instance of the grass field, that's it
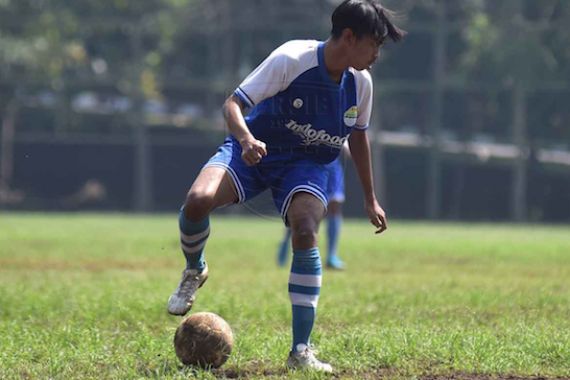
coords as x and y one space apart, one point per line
83 297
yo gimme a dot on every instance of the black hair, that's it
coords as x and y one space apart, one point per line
365 18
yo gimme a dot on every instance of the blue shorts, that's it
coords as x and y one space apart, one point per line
280 173
335 183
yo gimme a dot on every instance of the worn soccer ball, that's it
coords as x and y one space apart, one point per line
204 340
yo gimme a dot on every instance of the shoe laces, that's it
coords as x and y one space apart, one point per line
309 354
189 281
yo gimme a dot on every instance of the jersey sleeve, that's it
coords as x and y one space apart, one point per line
364 96
268 79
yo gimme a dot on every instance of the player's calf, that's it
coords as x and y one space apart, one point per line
193 238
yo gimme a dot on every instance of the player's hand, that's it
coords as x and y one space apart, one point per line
377 216
252 151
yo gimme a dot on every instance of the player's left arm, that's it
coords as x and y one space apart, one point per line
360 151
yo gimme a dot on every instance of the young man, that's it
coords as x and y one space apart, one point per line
335 195
306 99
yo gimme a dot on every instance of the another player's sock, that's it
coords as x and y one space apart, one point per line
334 224
283 252
193 237
304 289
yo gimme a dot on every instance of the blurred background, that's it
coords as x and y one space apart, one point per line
115 104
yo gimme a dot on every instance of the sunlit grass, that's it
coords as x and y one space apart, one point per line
83 296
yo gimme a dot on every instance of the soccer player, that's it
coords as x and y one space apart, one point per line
335 195
304 100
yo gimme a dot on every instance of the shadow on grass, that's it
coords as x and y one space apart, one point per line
251 369
261 369
474 376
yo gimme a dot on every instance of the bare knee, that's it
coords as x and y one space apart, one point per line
304 232
198 204
304 215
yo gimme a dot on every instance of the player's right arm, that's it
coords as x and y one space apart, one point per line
253 150
268 79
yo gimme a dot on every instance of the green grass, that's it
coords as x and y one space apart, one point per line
83 296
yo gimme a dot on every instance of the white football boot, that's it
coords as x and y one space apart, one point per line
304 358
180 302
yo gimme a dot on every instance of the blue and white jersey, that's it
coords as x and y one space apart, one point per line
298 110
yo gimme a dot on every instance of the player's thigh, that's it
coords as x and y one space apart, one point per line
304 215
213 187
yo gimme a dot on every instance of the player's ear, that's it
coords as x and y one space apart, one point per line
348 36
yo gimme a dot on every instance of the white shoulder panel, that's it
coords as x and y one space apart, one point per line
278 70
364 95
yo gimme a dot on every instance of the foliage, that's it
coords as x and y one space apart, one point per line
197 50
58 41
517 41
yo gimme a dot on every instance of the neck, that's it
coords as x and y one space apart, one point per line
335 60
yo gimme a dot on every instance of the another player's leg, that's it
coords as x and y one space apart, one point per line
284 246
213 188
334 224
304 215
335 193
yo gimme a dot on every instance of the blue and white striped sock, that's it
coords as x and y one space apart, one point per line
193 237
304 289
283 253
334 224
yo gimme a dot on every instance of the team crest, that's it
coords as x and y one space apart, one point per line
350 116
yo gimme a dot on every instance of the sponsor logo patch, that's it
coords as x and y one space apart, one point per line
311 136
350 116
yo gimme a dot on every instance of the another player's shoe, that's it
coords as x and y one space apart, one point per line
304 358
335 262
181 301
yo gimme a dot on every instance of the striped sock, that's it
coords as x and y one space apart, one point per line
333 231
304 289
283 252
193 237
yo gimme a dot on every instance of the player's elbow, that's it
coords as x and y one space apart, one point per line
226 108
231 103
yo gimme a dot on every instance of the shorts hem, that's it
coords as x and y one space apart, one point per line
301 189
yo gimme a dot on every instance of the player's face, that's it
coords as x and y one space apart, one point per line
365 52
